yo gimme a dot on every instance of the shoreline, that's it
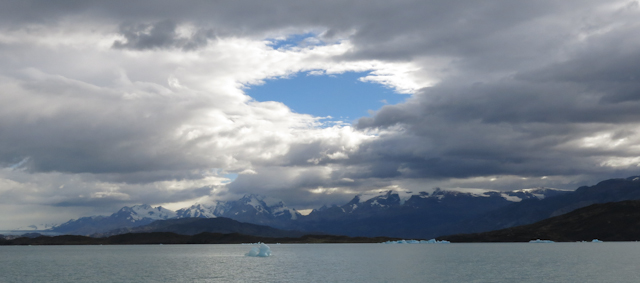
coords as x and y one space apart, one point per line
168 238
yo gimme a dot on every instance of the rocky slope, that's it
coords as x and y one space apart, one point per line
193 226
614 221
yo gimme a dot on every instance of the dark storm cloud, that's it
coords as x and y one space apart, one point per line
438 23
159 35
133 197
526 124
610 66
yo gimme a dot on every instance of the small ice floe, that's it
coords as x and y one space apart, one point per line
262 251
432 241
541 241
597 241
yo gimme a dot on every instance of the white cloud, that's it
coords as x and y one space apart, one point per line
117 116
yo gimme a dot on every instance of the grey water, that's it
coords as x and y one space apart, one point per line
486 262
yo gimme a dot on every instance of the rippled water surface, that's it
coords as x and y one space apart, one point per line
508 262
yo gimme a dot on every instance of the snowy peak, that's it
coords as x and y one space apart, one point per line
392 195
279 209
285 212
144 211
197 211
378 199
441 194
384 200
268 206
512 196
537 193
203 211
249 206
255 201
392 198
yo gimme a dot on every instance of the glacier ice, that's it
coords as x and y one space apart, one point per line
432 241
597 241
541 241
262 251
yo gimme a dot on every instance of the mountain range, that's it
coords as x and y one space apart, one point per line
387 213
421 215
252 208
353 219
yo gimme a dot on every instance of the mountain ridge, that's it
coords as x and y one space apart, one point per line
530 211
193 226
611 221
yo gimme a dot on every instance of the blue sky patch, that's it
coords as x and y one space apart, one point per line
294 40
341 96
231 176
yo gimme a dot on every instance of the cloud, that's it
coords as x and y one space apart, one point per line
162 34
129 122
573 113
119 102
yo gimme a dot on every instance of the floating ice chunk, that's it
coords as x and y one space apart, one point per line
597 241
541 241
262 251
253 252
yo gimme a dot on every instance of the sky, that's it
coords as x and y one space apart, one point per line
111 103
340 97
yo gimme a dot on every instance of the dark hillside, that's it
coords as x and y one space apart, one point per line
615 221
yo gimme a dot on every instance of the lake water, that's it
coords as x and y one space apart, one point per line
489 262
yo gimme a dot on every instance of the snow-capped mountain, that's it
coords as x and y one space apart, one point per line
251 205
264 210
280 210
252 208
201 211
144 212
384 213
408 214
262 205
539 193
389 199
125 217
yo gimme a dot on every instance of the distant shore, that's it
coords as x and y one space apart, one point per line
172 239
